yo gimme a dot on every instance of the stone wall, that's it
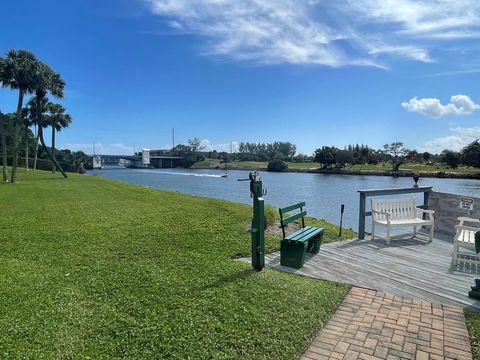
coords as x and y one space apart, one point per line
447 209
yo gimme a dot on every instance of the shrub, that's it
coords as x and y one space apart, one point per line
277 165
271 215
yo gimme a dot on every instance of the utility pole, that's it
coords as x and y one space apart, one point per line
173 138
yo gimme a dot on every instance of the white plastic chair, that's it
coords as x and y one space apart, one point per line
465 238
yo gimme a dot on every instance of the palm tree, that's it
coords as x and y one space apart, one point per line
52 82
34 108
27 122
3 119
20 72
58 121
4 122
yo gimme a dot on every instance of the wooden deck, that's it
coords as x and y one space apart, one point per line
409 267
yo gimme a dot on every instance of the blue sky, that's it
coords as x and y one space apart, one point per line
359 71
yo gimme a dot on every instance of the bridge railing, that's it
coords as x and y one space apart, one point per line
362 213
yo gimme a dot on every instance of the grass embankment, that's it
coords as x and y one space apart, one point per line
385 168
96 268
473 325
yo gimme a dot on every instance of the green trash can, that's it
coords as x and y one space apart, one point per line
292 253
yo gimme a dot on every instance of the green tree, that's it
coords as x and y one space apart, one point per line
20 72
3 81
195 144
471 154
426 156
27 122
451 158
396 153
343 157
326 156
6 121
58 120
36 107
49 81
277 165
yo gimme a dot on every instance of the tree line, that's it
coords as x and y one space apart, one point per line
278 153
22 71
396 154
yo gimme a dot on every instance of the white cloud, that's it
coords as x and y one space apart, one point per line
459 105
208 146
460 138
105 149
331 33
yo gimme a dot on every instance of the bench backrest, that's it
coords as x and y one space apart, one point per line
397 208
286 218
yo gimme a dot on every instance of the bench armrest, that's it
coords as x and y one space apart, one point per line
428 212
425 211
463 219
468 228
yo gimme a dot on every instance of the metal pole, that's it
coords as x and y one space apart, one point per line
342 209
258 221
361 217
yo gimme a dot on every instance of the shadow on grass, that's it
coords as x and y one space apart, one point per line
226 280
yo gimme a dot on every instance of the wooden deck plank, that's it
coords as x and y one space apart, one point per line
409 267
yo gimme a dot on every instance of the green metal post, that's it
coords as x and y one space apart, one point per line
258 221
258 225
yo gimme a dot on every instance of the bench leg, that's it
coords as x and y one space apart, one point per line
414 231
388 235
455 254
373 230
432 228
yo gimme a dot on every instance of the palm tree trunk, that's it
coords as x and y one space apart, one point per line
53 147
16 134
35 158
42 141
45 147
26 147
4 151
36 149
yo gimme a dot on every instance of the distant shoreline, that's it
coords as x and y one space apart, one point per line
401 173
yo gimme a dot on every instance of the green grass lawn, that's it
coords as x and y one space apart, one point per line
473 325
94 268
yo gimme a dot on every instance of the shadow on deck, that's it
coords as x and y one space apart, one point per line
410 266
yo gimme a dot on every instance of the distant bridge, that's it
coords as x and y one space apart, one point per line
149 158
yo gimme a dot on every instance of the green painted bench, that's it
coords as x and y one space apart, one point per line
294 246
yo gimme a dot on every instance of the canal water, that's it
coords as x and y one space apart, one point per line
323 194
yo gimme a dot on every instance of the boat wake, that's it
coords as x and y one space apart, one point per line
183 173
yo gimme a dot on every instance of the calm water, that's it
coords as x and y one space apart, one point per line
323 193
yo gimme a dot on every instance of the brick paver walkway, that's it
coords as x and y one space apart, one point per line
372 324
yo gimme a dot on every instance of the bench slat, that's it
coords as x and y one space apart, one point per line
298 233
292 207
307 236
289 219
312 235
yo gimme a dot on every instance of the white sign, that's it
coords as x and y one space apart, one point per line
466 203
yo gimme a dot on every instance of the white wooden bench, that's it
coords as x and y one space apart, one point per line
465 238
399 212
